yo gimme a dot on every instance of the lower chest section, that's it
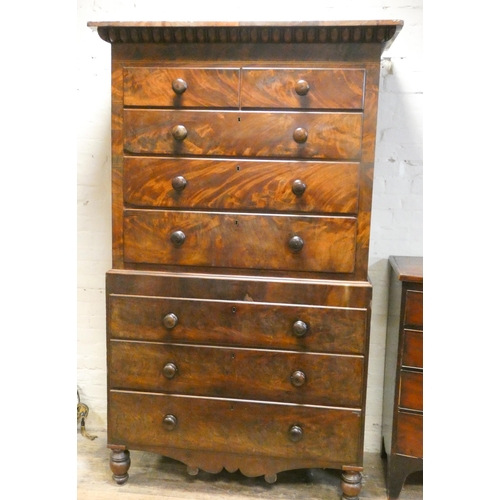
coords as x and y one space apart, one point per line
273 368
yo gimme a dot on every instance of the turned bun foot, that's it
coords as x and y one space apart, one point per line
270 478
192 471
119 463
351 485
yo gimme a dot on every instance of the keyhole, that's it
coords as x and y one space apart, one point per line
233 310
236 222
238 168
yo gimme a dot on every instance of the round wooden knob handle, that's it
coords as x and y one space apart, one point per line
296 243
169 422
179 183
179 132
300 135
298 187
299 328
170 321
179 86
169 370
302 87
296 433
177 238
298 378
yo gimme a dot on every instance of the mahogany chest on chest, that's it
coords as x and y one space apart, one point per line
238 305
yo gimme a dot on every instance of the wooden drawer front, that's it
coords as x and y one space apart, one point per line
409 435
225 184
243 288
206 87
244 324
322 88
411 395
234 427
240 240
414 309
234 133
330 380
413 348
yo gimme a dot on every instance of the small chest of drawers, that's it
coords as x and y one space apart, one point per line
403 386
238 306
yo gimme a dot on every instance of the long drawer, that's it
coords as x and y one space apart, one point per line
289 431
303 243
324 187
243 133
232 323
265 375
302 88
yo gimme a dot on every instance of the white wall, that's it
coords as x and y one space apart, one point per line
397 197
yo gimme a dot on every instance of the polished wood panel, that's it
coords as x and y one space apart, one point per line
414 312
243 133
413 349
241 184
409 436
234 426
316 292
244 324
204 87
303 88
411 395
263 375
240 240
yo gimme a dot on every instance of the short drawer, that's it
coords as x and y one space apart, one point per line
181 87
243 324
302 88
263 375
413 348
411 394
299 186
414 308
409 435
243 427
280 242
234 133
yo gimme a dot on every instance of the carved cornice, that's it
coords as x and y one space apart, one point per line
362 32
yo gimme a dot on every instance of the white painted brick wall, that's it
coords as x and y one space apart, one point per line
397 197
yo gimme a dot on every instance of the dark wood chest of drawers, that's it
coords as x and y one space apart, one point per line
403 386
238 306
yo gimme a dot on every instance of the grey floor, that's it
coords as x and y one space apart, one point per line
153 477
